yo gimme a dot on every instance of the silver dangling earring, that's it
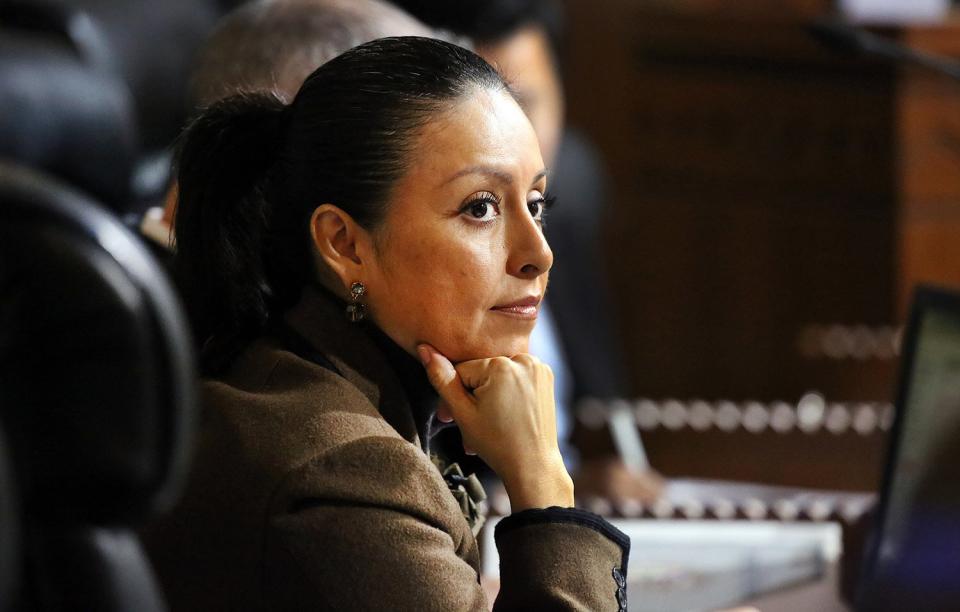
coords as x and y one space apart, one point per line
356 310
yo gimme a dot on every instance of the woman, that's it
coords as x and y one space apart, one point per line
393 209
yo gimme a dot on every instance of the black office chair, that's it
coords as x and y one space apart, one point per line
61 115
154 44
149 46
96 394
9 531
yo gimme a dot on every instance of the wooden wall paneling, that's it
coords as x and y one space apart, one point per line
929 172
758 188
754 185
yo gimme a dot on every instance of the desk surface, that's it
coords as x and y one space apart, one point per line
686 565
821 596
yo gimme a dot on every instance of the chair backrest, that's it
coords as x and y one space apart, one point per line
96 393
59 114
151 48
148 46
9 530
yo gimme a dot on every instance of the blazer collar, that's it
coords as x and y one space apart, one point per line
369 360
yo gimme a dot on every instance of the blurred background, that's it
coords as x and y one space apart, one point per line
774 203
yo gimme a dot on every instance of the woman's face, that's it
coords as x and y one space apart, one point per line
461 262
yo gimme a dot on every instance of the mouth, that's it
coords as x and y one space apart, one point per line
525 308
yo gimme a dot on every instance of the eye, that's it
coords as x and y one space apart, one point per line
539 205
536 208
484 207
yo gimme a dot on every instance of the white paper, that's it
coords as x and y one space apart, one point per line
894 11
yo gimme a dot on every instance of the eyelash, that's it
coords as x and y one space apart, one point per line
546 202
487 198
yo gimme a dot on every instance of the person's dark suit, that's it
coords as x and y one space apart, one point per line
579 291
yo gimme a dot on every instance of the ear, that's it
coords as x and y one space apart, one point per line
339 242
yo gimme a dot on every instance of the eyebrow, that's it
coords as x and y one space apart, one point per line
501 176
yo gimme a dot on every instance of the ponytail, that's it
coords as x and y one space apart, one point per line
224 162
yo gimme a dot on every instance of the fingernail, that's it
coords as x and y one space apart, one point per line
424 354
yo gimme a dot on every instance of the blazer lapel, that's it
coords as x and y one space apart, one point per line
320 318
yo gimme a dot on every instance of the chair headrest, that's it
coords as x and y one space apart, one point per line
96 364
151 47
69 119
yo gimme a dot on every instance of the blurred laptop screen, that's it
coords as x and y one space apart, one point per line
916 553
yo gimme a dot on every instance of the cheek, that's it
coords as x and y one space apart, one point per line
457 279
438 290
461 286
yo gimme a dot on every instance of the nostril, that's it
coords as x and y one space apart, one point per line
529 269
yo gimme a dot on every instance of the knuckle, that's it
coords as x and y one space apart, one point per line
526 359
467 370
500 364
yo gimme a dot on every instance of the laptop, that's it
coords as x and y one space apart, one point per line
912 560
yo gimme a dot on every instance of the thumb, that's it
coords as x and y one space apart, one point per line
444 378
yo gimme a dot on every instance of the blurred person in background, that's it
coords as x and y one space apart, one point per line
338 254
272 45
574 333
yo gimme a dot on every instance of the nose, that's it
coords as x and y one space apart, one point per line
529 254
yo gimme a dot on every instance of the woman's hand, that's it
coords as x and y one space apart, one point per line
505 410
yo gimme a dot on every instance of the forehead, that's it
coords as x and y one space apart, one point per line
481 128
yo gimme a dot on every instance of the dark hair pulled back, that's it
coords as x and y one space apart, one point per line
252 170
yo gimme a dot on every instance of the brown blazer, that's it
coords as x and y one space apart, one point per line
311 491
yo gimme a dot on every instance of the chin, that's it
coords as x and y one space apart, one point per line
488 348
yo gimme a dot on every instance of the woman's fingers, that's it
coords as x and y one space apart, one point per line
477 372
505 410
444 378
444 414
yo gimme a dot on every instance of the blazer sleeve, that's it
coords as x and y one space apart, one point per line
561 559
342 538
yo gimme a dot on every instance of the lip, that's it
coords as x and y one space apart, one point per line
525 308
